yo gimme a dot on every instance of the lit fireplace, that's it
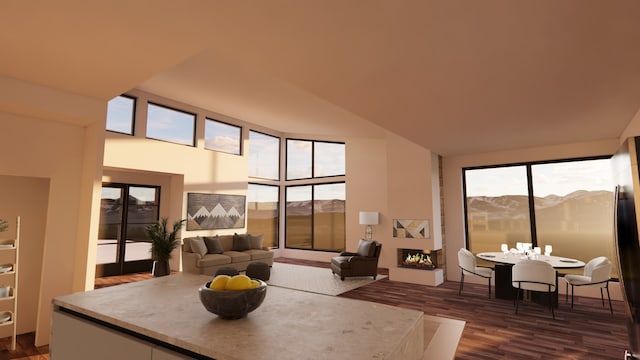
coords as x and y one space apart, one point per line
418 259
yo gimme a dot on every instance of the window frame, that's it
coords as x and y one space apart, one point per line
277 234
313 170
312 201
240 147
279 155
133 115
195 120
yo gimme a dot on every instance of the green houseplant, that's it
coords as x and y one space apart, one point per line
163 242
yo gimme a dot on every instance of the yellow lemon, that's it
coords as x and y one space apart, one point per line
238 282
219 282
254 284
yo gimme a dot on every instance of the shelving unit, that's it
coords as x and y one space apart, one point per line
9 251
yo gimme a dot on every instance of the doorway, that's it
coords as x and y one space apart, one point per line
125 211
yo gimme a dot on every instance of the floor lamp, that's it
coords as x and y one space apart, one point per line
368 218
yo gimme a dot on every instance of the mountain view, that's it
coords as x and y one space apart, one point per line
302 208
581 209
567 222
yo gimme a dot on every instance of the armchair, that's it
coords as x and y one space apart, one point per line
363 262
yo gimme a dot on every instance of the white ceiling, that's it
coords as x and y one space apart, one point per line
456 77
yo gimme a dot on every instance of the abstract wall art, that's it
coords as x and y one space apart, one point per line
411 228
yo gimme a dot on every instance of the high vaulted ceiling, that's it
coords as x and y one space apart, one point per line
456 77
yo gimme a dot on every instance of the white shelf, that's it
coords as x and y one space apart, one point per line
9 256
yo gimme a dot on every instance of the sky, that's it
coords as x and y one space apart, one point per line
548 179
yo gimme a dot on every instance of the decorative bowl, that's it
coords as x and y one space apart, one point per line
232 304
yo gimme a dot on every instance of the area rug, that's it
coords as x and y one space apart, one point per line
314 279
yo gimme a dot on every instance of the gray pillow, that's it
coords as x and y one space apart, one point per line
213 245
198 246
256 241
241 242
366 248
186 242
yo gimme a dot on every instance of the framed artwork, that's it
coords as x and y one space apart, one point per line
418 229
215 211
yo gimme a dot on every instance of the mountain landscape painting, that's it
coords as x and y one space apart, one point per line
215 211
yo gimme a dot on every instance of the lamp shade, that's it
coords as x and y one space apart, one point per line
368 217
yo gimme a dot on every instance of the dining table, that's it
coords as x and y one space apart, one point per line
504 261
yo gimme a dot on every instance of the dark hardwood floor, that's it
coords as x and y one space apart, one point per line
492 329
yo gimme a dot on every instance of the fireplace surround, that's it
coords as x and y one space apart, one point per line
419 259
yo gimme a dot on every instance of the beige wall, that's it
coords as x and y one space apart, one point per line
34 146
452 171
633 129
28 198
52 151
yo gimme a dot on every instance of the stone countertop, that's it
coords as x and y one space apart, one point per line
290 324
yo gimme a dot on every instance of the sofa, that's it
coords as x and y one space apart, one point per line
207 254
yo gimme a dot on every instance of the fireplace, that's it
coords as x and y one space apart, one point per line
419 259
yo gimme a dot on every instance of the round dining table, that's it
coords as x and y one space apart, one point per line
504 262
557 262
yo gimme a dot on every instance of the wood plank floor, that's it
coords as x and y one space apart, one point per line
492 329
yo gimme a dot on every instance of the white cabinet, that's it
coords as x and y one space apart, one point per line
74 338
9 251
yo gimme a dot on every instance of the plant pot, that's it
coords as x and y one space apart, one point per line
160 268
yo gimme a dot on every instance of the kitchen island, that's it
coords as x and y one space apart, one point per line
162 318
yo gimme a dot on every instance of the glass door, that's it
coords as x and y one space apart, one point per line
123 247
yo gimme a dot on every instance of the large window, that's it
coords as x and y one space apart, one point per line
566 204
263 212
315 210
574 208
328 159
315 217
121 114
221 136
171 125
264 156
497 207
314 159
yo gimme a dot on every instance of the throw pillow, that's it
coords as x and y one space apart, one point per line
213 245
241 242
365 248
198 246
186 244
256 241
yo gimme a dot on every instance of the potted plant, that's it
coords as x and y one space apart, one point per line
163 242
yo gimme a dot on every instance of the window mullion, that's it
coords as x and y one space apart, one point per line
532 209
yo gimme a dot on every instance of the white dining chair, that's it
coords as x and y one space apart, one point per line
597 272
534 275
468 266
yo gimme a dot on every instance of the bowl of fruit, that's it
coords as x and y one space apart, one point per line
232 297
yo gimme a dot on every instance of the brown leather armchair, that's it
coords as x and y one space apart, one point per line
363 262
